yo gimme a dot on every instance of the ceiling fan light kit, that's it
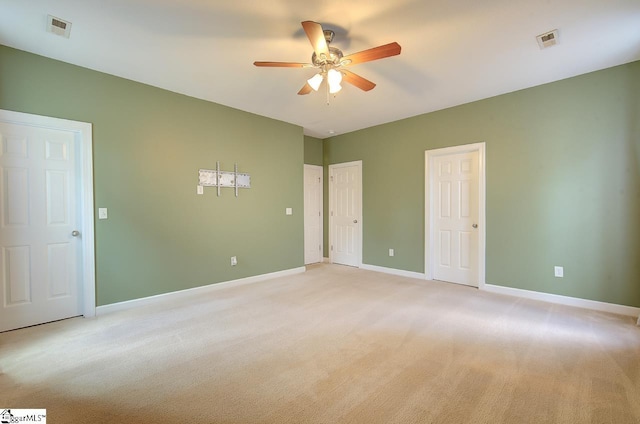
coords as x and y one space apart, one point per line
315 81
331 62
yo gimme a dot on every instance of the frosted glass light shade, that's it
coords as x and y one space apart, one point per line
334 78
315 81
334 88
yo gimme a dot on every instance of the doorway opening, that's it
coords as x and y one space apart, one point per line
48 270
455 219
313 229
345 213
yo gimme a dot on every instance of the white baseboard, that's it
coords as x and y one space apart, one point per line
565 300
393 271
128 304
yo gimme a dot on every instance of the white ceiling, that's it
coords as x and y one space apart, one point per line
453 52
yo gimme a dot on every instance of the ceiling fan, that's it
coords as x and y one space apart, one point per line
331 63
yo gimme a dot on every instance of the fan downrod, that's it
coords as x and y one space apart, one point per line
328 35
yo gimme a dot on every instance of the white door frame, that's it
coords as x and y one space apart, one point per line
321 169
428 211
357 163
83 136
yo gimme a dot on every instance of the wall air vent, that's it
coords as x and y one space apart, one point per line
58 26
548 39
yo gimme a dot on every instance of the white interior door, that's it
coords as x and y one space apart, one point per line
345 204
455 228
312 214
40 264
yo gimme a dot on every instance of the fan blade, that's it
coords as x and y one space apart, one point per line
316 37
306 89
283 64
354 79
375 53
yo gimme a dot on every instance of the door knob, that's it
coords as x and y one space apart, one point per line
475 225
355 221
75 233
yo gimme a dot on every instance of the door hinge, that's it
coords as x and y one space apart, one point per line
320 247
319 179
319 213
332 247
332 178
331 213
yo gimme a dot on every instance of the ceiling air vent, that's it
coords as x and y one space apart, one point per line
58 26
548 39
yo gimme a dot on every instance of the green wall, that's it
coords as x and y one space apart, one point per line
563 184
312 151
563 181
148 146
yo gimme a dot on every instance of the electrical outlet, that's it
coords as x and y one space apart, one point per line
102 213
558 271
391 252
234 261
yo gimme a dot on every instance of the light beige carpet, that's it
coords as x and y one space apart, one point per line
332 345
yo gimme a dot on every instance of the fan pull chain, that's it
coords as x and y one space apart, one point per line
328 99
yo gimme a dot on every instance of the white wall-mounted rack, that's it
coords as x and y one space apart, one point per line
217 178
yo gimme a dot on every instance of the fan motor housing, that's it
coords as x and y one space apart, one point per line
335 55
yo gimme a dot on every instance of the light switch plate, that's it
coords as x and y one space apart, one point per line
558 271
289 211
391 252
200 190
102 213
